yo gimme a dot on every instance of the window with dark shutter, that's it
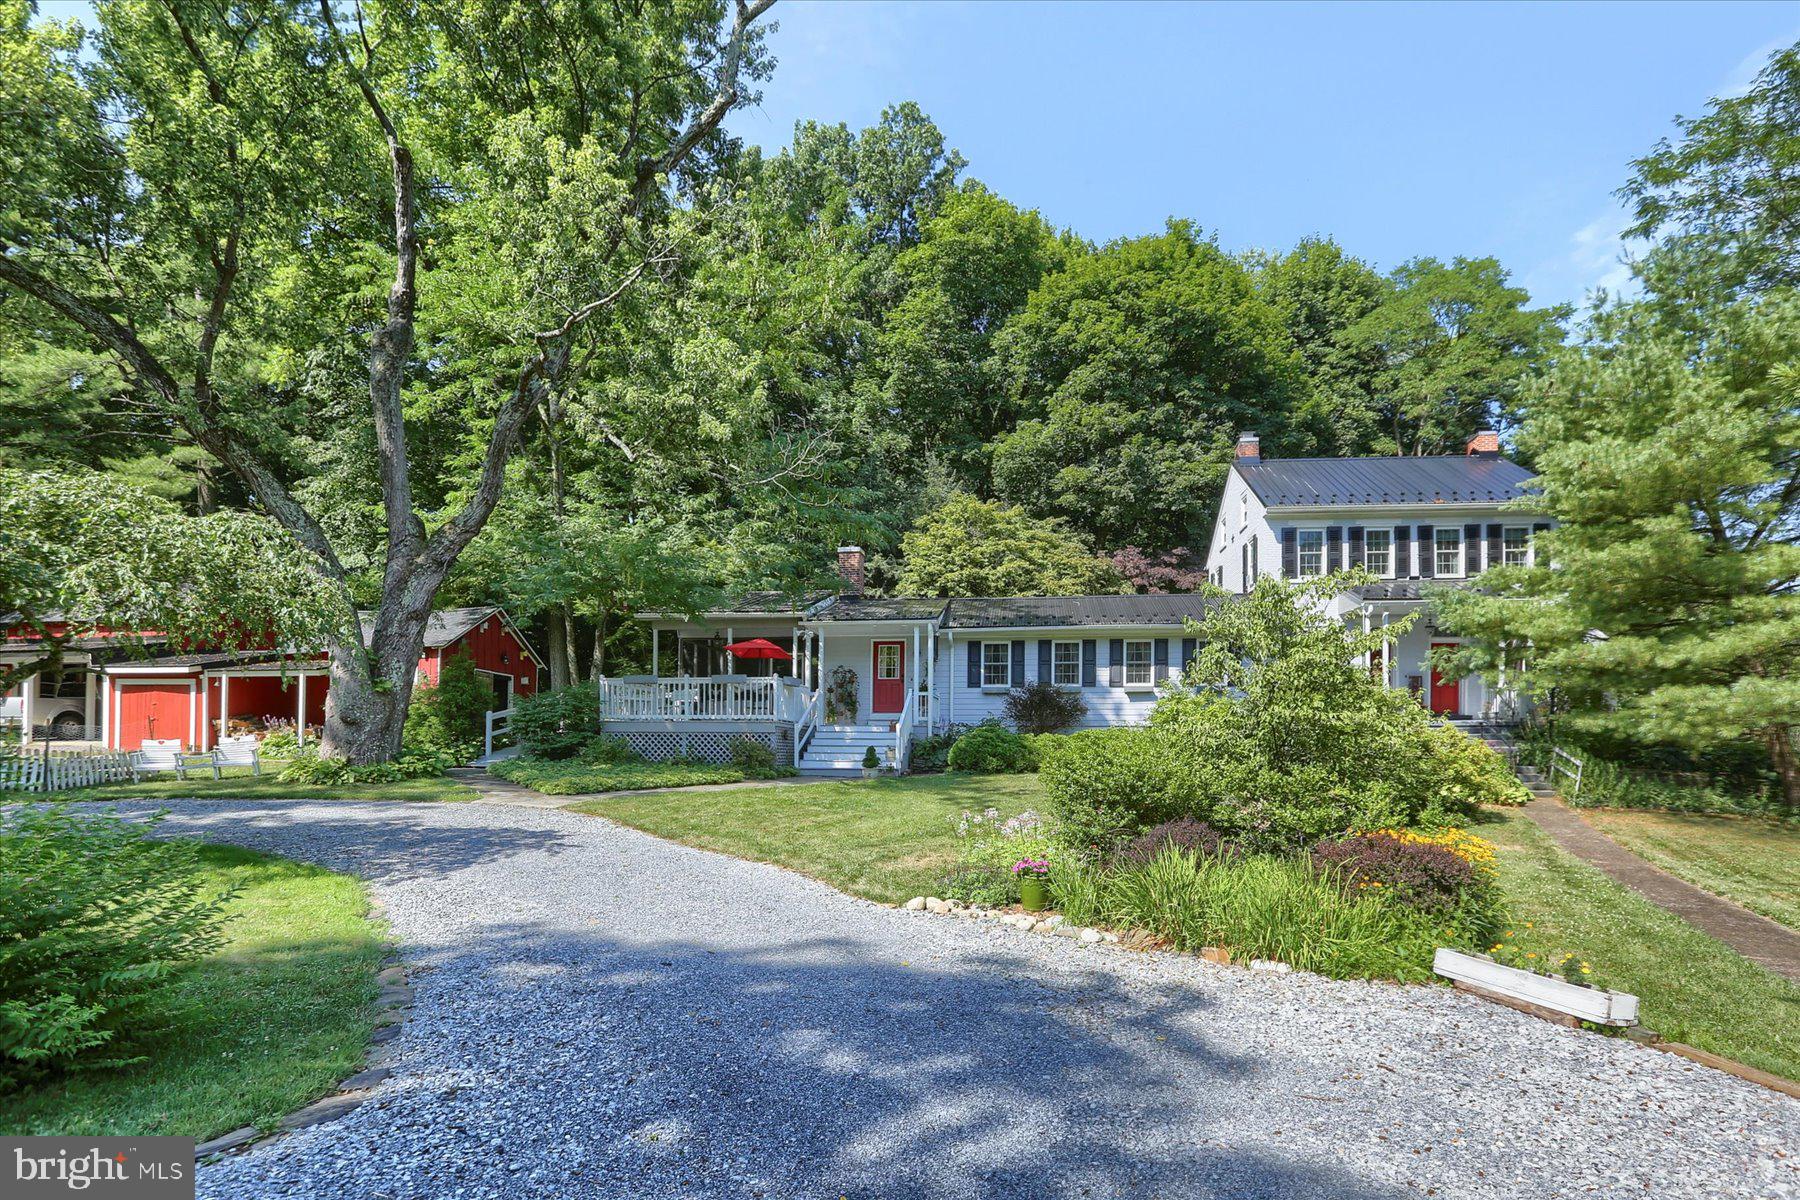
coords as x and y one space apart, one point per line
1427 567
1355 545
1161 658
1187 651
1472 549
1290 554
974 664
1115 662
1496 551
1044 659
1403 564
1090 670
1334 547
1018 663
1252 582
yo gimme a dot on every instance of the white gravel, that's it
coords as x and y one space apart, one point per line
603 1014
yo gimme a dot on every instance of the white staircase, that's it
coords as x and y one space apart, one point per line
838 749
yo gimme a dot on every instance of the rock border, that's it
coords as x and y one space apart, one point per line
393 1005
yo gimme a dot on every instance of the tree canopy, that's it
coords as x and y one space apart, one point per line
973 547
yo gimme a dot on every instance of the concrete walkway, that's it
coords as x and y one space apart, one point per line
1755 937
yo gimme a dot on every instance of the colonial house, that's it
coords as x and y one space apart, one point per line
1409 521
118 690
837 673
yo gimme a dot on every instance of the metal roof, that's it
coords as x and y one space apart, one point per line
1018 612
1402 589
883 608
444 625
1389 479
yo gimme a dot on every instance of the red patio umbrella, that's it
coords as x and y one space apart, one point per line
758 648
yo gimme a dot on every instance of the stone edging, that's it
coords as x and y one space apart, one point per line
392 1006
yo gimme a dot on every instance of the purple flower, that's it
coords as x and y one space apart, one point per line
1032 866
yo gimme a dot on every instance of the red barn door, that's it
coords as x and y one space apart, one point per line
150 711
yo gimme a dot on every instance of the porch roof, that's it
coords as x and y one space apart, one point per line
1018 612
1402 589
883 608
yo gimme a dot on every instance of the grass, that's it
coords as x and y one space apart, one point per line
1691 987
1754 862
882 839
273 1020
239 784
572 777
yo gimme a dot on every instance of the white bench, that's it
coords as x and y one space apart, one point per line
165 754
239 752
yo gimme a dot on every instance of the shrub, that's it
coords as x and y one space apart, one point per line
871 759
607 749
451 717
932 753
1183 833
1042 707
412 763
988 848
753 757
93 915
281 739
1100 785
1419 873
557 724
990 749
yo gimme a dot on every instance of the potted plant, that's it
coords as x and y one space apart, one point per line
1033 875
871 762
1564 985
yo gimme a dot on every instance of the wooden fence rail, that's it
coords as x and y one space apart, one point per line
38 771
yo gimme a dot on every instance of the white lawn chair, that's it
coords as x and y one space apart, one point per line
239 752
166 754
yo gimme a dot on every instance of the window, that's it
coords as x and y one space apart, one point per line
1447 541
62 685
1243 510
1065 664
1311 543
1515 546
1250 579
1378 552
887 661
996 664
1138 669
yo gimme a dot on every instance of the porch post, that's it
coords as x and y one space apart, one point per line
105 711
655 651
914 697
224 702
730 658
950 711
793 651
87 701
27 710
300 710
1367 661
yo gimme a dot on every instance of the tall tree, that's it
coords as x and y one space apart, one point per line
1135 369
209 163
1666 605
973 547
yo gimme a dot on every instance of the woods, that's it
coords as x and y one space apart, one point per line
485 305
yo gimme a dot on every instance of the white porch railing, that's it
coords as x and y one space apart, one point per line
808 724
771 698
903 729
1561 760
498 724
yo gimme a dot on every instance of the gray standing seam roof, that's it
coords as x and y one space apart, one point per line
1008 612
1388 479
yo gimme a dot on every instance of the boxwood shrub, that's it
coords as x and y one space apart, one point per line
1101 785
991 749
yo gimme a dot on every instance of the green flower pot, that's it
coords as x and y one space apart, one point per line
1034 893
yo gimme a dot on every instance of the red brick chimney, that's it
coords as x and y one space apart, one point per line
1249 449
1486 443
850 570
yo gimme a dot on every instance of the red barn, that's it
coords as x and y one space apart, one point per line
197 697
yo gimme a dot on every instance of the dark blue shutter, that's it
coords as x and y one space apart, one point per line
1290 555
1540 558
975 664
1496 554
1356 545
1472 550
1187 651
1403 552
1115 662
1018 663
1090 663
1252 564
1334 548
1244 568
1427 553
1159 658
1044 669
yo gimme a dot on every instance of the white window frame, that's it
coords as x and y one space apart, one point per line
1057 664
1300 536
988 663
1526 557
1386 572
1149 664
1438 551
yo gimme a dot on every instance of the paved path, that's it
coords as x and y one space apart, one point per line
601 1014
1754 936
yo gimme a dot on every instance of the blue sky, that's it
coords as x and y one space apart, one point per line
1400 130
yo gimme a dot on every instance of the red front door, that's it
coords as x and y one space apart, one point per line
889 692
1446 694
153 712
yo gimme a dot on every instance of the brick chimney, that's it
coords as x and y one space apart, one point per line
1485 444
850 570
1249 450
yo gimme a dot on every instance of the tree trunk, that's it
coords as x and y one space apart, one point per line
365 710
557 643
597 667
1781 752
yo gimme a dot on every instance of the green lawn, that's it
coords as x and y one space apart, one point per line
884 839
1692 988
273 1020
239 784
1751 861
572 777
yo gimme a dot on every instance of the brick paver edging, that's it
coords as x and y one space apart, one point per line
1757 938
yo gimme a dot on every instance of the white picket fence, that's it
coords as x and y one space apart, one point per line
53 772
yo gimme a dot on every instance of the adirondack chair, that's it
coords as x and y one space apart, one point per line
239 752
166 754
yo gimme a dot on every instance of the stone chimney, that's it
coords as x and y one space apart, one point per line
850 570
1249 450
1486 444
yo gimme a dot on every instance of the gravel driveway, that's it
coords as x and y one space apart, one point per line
602 1014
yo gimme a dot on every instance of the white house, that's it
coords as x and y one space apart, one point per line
1409 521
912 665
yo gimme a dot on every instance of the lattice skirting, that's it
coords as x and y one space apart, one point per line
661 745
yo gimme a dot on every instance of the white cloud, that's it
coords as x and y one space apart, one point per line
1594 256
1739 78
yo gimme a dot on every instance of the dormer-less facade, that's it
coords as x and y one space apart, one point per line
1409 521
